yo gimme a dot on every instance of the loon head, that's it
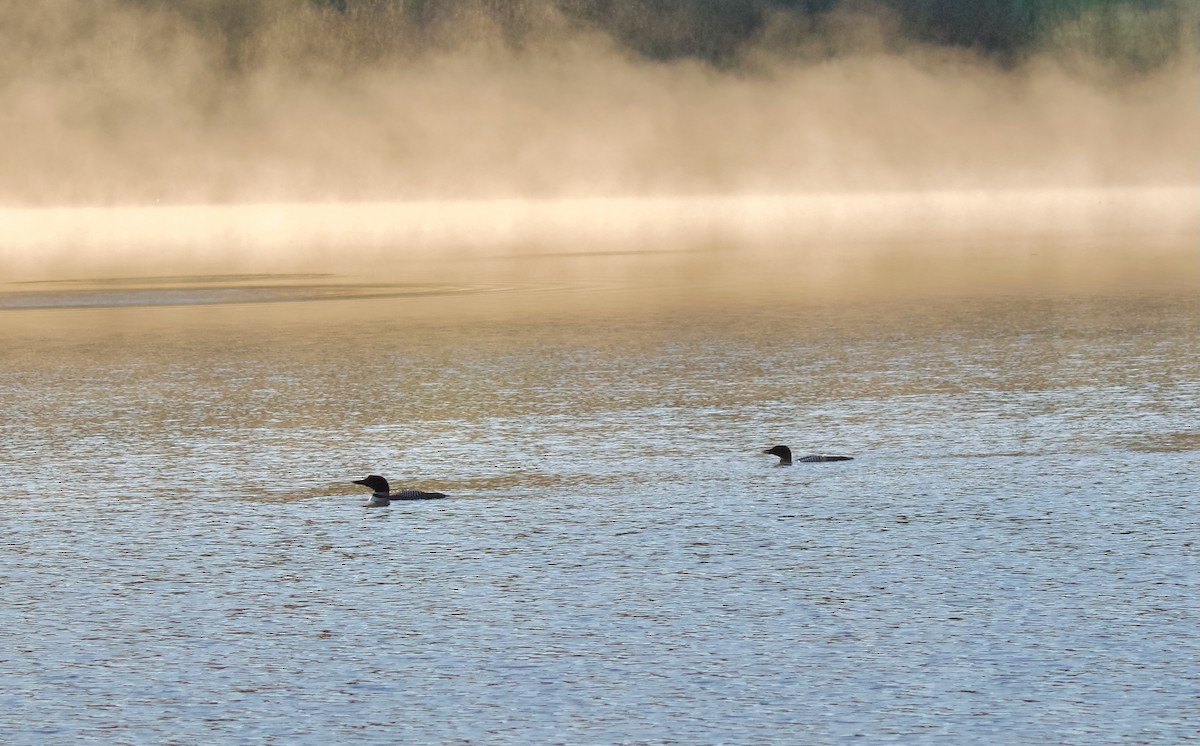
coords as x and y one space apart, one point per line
375 482
783 452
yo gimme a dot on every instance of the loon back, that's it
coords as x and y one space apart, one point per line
785 456
381 494
414 495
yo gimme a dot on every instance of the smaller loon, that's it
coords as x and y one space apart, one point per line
381 495
785 457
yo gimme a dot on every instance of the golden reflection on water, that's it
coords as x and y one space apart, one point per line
700 249
294 358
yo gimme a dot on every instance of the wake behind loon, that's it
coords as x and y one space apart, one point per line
785 456
381 495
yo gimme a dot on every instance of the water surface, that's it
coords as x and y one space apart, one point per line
1011 555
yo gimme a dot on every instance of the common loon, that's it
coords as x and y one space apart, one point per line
785 456
381 495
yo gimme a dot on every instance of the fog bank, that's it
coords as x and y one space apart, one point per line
115 102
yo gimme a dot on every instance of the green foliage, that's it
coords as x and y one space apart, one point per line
1139 33
1139 36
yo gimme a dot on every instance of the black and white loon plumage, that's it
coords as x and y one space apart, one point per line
382 495
785 457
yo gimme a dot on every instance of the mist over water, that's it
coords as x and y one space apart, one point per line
460 128
121 102
377 138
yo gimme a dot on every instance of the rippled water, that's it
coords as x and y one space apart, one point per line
1010 557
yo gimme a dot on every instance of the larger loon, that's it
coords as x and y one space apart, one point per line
785 456
381 495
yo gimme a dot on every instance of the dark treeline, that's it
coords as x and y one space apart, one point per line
1139 33
717 30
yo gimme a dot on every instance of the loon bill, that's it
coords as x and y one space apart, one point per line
381 495
785 457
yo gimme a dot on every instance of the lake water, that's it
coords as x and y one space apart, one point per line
1011 556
